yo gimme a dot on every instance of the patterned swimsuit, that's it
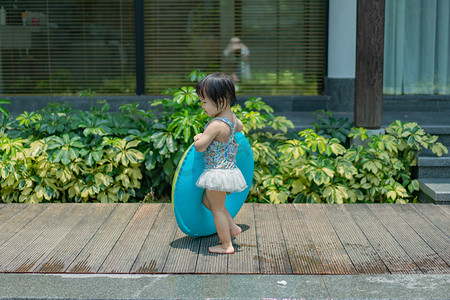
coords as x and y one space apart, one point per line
221 172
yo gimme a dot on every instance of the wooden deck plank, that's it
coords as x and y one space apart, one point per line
15 223
329 248
446 209
301 250
437 240
277 239
47 241
272 253
125 251
436 215
393 255
59 259
210 263
28 233
9 211
183 254
424 257
245 258
364 257
153 254
98 248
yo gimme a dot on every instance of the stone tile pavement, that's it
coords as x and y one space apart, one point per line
186 286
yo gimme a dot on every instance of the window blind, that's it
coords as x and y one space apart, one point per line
62 47
270 47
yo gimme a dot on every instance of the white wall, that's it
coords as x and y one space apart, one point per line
342 38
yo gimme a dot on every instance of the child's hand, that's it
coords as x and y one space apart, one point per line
197 136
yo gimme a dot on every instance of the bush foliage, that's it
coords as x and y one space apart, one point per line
62 155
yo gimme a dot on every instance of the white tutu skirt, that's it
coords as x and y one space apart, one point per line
222 180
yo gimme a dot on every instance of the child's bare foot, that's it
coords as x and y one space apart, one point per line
222 249
235 231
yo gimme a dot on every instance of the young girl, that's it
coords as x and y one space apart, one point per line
221 175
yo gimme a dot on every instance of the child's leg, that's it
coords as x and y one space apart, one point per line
234 229
205 201
217 205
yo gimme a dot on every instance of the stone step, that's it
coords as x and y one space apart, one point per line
434 190
433 167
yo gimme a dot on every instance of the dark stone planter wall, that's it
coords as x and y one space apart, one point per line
339 98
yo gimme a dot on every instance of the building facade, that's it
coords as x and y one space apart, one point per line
276 48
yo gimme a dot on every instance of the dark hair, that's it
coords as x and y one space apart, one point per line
219 88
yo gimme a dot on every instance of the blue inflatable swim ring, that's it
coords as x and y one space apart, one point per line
193 218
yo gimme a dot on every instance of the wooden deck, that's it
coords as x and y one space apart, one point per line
277 239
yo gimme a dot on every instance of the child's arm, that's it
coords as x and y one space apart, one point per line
202 141
239 126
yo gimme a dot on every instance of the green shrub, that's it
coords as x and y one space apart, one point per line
59 154
64 168
330 127
3 110
321 170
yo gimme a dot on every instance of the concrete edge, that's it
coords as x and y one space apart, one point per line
437 189
423 186
188 286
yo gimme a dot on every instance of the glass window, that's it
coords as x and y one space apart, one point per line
417 41
269 47
62 47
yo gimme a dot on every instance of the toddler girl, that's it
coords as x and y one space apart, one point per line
221 175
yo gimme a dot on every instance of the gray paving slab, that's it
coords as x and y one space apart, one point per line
96 286
117 286
388 287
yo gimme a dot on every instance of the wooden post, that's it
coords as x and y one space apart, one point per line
140 46
369 64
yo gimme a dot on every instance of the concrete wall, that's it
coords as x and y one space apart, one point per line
19 104
340 79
